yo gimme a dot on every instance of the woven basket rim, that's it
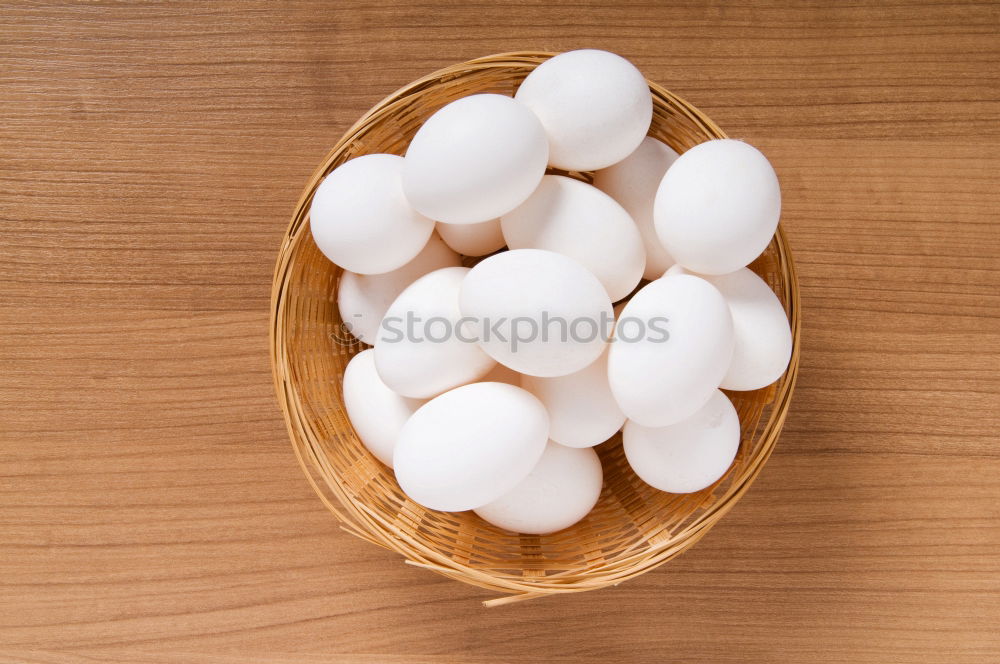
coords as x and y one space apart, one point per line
365 523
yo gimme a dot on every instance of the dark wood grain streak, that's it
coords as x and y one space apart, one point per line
151 509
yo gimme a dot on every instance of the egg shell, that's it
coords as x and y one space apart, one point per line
517 295
363 299
595 107
376 412
689 455
673 344
578 220
425 358
633 182
717 206
361 220
475 159
762 334
469 446
560 490
582 410
473 239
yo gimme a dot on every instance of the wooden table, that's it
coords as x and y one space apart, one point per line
152 510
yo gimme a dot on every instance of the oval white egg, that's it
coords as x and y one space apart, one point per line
578 220
418 352
363 299
470 446
689 455
595 107
475 159
473 239
673 344
582 410
539 312
717 206
376 412
633 183
560 490
360 219
761 331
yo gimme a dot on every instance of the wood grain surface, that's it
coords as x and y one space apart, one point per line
152 509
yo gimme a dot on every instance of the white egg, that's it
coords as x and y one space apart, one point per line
673 344
595 107
502 374
421 349
633 183
475 159
473 239
560 490
376 412
360 219
470 446
539 312
717 206
580 221
763 337
363 299
582 410
689 455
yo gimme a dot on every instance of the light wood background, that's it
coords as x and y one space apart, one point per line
152 509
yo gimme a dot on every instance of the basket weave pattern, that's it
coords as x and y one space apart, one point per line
632 529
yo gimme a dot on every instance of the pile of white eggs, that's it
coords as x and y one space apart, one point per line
469 420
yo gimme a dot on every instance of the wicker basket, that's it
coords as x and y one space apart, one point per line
632 529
